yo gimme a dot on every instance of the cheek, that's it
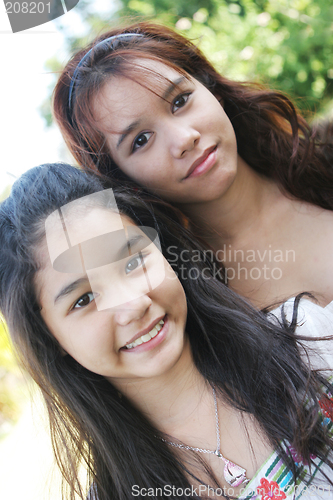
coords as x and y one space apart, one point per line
133 167
54 326
150 171
159 175
91 349
175 291
215 110
84 339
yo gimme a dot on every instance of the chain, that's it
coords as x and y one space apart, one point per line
218 443
233 473
216 452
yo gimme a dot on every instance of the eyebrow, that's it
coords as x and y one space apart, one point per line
127 131
68 289
172 87
127 247
164 96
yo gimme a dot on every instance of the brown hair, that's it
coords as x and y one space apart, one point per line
271 136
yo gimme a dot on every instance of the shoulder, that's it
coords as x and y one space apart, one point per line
313 322
312 319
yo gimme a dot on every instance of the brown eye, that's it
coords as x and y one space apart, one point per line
84 300
180 101
141 140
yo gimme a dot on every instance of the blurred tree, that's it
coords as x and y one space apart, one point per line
286 44
12 384
13 390
5 193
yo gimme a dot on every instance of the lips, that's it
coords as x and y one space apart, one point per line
143 332
200 161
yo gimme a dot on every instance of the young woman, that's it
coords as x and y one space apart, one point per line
144 103
162 380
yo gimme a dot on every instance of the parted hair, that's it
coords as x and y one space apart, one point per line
253 363
271 135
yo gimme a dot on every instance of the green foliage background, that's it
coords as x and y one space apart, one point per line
13 389
286 44
13 386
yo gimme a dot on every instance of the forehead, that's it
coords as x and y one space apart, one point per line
74 224
83 226
148 80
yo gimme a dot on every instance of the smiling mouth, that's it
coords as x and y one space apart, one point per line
147 336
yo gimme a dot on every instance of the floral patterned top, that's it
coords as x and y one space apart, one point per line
274 480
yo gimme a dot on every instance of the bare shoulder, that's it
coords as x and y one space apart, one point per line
305 232
315 235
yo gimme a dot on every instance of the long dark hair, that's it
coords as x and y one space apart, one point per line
254 363
271 136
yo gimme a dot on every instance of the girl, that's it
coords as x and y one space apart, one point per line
144 103
163 381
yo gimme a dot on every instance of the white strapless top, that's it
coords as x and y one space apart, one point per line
313 321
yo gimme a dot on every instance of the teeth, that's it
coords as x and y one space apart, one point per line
147 336
153 333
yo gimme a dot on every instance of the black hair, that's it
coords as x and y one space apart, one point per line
252 362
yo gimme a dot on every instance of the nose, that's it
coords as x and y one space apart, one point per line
183 138
133 310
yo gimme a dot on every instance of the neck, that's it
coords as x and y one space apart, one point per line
238 212
170 400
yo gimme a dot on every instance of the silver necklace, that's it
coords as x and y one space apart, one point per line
233 473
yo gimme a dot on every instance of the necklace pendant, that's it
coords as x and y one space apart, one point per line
234 474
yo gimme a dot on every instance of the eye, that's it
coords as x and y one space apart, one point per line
180 101
134 263
84 301
141 140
